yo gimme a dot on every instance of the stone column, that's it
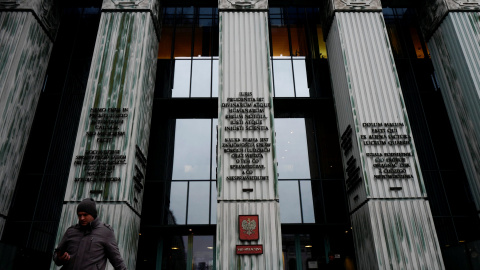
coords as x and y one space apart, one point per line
389 211
452 29
248 224
27 31
110 151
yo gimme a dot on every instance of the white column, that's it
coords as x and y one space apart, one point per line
110 151
247 178
27 32
453 33
389 211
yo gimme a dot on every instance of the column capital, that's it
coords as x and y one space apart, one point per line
152 6
243 4
332 6
433 12
44 10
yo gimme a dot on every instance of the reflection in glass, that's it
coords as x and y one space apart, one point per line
299 42
283 78
181 79
289 202
322 47
201 74
280 46
198 202
175 249
183 41
202 252
291 145
165 44
307 202
191 159
178 201
300 71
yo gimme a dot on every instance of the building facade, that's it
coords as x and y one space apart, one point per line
244 134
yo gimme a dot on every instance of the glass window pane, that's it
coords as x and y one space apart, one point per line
191 159
203 37
215 78
213 218
201 74
307 202
299 42
202 252
175 248
289 202
283 78
165 45
301 84
417 43
291 145
183 41
198 202
280 45
181 78
178 202
321 42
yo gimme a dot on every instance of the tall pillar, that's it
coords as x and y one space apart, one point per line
452 29
110 151
248 224
389 211
27 31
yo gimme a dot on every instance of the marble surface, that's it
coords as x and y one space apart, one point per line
456 56
44 10
433 12
23 63
367 90
153 6
243 4
332 6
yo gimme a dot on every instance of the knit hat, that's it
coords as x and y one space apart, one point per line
88 206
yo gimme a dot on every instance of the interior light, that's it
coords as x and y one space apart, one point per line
461 241
346 231
281 55
210 247
174 247
139 234
309 246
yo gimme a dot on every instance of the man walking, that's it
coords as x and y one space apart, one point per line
88 244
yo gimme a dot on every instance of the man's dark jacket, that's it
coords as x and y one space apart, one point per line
89 247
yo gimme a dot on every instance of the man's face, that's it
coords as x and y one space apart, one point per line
84 218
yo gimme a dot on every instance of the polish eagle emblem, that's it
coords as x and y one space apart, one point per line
248 226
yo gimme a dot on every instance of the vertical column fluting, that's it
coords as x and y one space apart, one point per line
247 176
391 218
27 30
453 33
110 151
